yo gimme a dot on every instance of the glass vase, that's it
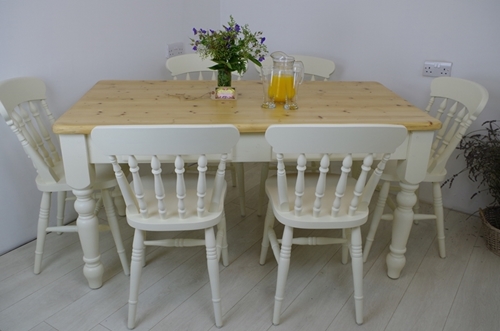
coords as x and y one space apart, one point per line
224 78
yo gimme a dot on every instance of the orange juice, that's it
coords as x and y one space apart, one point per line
280 86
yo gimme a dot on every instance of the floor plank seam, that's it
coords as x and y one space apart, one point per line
461 278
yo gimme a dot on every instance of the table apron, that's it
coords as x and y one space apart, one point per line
79 151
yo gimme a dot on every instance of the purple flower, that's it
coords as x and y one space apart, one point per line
237 28
212 31
261 59
203 31
194 30
195 48
262 39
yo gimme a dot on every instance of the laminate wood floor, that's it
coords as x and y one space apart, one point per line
461 292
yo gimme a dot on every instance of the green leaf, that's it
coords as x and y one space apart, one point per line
254 60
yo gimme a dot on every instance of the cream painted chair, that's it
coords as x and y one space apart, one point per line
314 67
178 201
24 108
456 103
188 65
323 200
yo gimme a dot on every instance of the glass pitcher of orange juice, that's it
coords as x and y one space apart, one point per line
286 76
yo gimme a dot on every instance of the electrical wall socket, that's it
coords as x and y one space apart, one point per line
437 69
174 49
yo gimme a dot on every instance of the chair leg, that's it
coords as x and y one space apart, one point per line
43 223
98 203
233 176
222 247
268 225
61 206
357 272
438 211
283 266
135 275
377 214
264 172
345 246
118 201
240 178
115 229
213 274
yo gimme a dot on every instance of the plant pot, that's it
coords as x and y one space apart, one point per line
490 218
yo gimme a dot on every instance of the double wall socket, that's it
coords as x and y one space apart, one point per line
174 49
437 69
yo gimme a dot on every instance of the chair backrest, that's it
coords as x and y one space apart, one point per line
192 65
368 141
157 143
24 109
456 103
314 67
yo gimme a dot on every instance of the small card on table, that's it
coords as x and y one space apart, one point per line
224 93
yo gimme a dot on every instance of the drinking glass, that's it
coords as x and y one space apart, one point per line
266 75
292 90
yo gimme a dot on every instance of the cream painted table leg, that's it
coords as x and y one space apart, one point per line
401 227
88 231
411 172
79 175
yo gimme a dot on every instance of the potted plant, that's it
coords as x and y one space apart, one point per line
481 150
230 48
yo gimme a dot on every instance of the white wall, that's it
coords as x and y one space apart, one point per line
73 44
388 41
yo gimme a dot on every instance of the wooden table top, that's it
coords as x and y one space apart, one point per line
121 102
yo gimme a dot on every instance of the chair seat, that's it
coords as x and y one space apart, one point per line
324 220
104 178
191 221
390 174
49 184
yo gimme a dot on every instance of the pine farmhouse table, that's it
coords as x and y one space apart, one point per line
120 102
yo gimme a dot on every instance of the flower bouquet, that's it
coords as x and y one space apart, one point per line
230 48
